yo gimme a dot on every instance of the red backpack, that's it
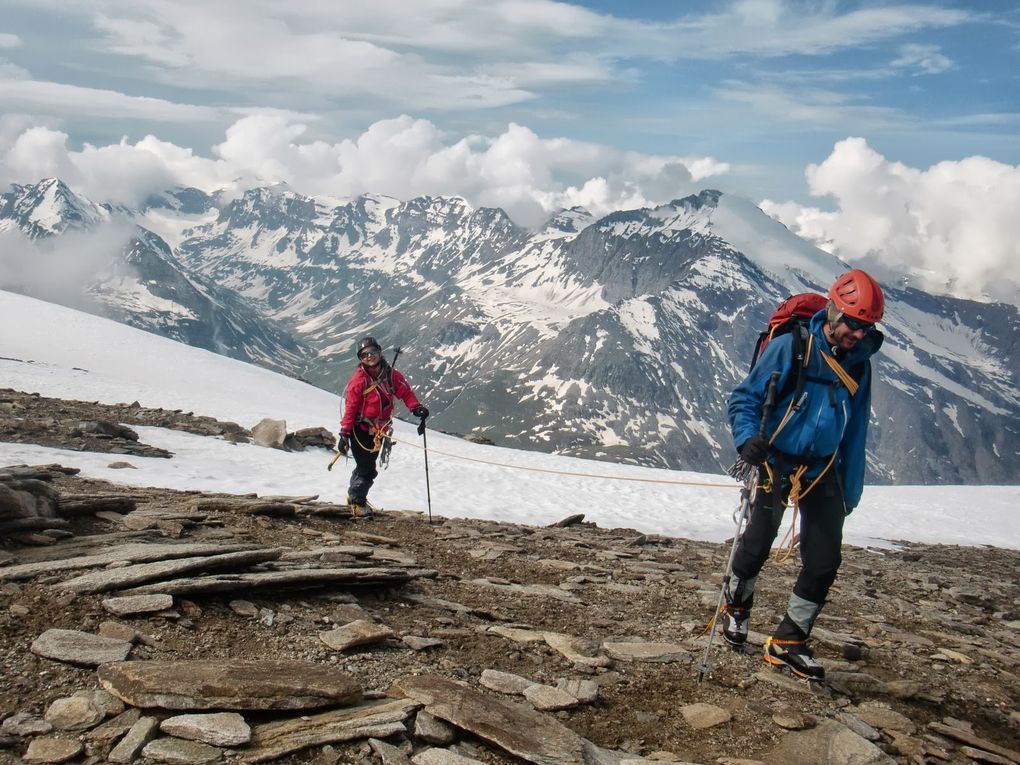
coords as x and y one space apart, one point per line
793 313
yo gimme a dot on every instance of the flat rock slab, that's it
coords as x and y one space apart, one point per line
228 684
374 720
515 728
138 604
653 652
177 751
83 648
358 632
53 749
219 729
828 744
139 573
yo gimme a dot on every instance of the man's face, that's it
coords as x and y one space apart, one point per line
846 333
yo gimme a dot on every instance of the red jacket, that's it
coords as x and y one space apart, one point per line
370 401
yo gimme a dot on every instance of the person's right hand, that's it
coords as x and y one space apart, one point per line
343 443
754 450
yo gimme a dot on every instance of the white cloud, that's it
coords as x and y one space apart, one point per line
923 59
8 40
953 226
517 170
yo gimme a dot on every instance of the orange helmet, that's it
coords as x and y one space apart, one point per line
858 296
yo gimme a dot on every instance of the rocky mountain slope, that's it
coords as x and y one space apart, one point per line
615 338
494 643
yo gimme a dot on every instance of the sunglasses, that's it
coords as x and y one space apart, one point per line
856 325
366 354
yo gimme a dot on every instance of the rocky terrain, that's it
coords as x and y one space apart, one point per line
153 625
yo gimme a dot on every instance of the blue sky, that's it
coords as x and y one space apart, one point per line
532 104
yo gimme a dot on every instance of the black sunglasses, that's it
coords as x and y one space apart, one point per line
366 353
856 325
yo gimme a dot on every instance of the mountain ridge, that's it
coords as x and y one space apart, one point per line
619 340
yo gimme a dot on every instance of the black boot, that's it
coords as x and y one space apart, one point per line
734 624
788 648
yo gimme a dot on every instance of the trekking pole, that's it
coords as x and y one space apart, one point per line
425 448
748 493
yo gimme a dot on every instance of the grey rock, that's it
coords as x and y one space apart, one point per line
137 604
138 735
25 724
228 684
82 648
515 728
504 682
74 713
549 699
219 729
388 754
53 749
270 432
432 730
442 757
181 752
828 744
664 653
356 633
701 715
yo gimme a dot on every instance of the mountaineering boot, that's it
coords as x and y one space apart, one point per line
734 624
795 655
360 508
788 648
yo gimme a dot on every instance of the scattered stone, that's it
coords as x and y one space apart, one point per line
791 719
74 713
270 432
585 691
53 749
138 735
416 643
115 727
177 751
664 653
700 716
220 729
389 754
228 684
827 744
442 757
432 730
25 724
379 719
356 633
244 608
549 699
882 717
504 682
83 648
137 604
516 728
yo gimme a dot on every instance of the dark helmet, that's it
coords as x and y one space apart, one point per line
857 295
368 342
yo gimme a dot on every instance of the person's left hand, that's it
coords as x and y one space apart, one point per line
420 411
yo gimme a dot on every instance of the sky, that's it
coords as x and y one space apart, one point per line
878 129
94 359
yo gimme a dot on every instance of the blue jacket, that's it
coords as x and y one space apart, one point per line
829 419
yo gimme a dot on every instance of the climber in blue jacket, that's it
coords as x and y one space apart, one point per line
811 454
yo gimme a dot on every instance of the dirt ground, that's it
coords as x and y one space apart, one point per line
931 631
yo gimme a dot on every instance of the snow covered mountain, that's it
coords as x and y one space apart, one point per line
63 247
617 337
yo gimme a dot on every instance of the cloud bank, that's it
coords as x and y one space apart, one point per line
953 227
526 175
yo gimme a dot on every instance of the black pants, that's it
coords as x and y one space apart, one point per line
821 537
362 445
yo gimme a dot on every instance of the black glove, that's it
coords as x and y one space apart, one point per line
754 450
420 411
343 443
